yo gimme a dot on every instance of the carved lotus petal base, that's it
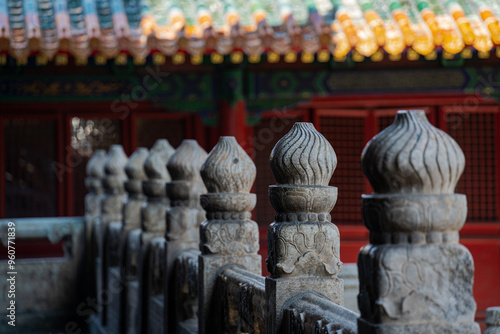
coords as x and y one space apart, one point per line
229 237
406 286
414 213
306 249
302 199
225 202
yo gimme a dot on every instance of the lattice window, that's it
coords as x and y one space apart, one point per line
88 135
266 135
476 134
30 181
347 136
149 130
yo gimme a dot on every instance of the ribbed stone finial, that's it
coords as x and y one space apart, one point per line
228 169
95 166
303 157
413 157
115 161
186 162
156 163
135 165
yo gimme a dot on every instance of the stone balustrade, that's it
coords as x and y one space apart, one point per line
193 265
414 275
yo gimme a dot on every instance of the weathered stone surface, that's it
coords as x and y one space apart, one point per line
413 157
183 220
153 215
492 320
349 275
309 313
136 198
414 276
93 182
303 244
111 211
228 237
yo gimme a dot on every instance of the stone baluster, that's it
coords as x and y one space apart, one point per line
228 237
303 243
93 182
131 221
183 221
136 198
153 215
414 275
492 320
111 211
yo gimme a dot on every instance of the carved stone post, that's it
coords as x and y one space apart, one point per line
303 243
131 221
183 217
492 320
414 275
93 182
228 237
111 211
153 215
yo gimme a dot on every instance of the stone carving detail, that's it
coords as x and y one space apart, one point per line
228 169
303 157
228 174
302 241
414 218
303 244
413 157
229 237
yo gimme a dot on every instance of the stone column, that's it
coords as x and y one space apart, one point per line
183 217
228 237
414 275
93 182
111 211
153 215
131 221
303 243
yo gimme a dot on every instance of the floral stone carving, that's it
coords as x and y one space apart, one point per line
414 218
303 243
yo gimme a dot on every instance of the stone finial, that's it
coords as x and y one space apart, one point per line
412 157
114 167
303 162
228 174
156 163
95 166
95 171
186 162
303 157
135 165
492 320
115 161
228 169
